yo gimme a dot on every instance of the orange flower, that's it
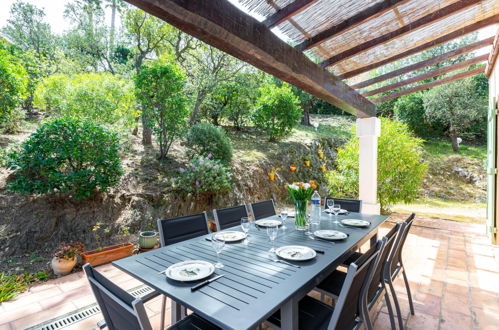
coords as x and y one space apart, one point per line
314 186
312 182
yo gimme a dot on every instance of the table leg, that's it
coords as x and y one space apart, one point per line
289 315
176 312
374 239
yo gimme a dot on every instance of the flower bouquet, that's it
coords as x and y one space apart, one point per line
301 193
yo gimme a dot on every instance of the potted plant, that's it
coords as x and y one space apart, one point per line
306 161
103 255
148 239
323 168
292 168
320 151
300 193
272 173
65 257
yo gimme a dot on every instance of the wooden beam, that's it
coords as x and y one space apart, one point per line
493 56
419 65
428 75
435 83
372 12
411 27
441 40
287 12
222 25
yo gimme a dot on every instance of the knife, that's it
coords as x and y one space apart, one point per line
200 285
319 251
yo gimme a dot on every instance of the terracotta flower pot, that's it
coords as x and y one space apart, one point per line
107 254
292 168
320 154
148 239
62 266
307 163
323 168
271 176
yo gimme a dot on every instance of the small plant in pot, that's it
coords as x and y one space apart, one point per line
148 239
106 254
65 257
272 173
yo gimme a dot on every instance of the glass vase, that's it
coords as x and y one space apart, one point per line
301 214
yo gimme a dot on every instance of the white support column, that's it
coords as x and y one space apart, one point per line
368 131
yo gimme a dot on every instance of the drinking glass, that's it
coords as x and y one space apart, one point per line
330 205
218 245
272 234
245 226
309 227
336 211
283 216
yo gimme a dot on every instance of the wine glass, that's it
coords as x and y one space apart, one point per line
245 226
330 205
336 211
283 216
272 234
218 245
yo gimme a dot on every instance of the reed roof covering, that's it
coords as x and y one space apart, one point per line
323 14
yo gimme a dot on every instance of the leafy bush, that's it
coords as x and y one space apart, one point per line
400 168
277 110
160 91
204 176
67 156
100 97
204 139
13 84
12 285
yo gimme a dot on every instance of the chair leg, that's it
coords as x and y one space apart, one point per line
390 311
322 296
409 296
397 306
163 311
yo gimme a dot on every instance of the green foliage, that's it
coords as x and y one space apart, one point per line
204 139
276 110
12 285
458 105
160 91
67 156
13 83
99 97
203 176
400 168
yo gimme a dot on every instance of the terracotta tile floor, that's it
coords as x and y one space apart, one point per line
453 273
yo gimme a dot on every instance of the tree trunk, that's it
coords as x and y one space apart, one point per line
112 30
146 130
305 119
453 138
194 116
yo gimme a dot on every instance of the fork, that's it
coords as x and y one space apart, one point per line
275 259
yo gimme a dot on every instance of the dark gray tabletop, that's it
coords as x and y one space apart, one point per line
253 286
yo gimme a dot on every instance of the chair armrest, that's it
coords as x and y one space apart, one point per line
102 324
150 296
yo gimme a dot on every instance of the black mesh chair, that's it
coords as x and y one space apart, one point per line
229 217
331 286
122 311
179 229
263 209
350 310
351 205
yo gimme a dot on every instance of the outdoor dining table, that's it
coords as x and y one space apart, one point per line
253 286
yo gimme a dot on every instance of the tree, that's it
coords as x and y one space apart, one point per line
160 92
400 169
458 105
276 110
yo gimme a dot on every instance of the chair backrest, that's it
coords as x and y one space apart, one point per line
229 217
351 205
263 209
390 238
120 309
353 293
395 256
179 229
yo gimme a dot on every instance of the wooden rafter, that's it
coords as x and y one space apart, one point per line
374 11
434 83
494 53
438 41
419 65
428 75
222 25
417 24
287 12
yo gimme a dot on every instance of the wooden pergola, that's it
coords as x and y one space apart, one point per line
320 45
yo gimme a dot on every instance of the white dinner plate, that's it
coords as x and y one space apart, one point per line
332 235
355 222
231 236
342 211
268 223
190 270
295 253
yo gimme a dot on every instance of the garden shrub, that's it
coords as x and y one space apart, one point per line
13 84
400 166
12 285
100 97
276 110
67 156
203 176
204 139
